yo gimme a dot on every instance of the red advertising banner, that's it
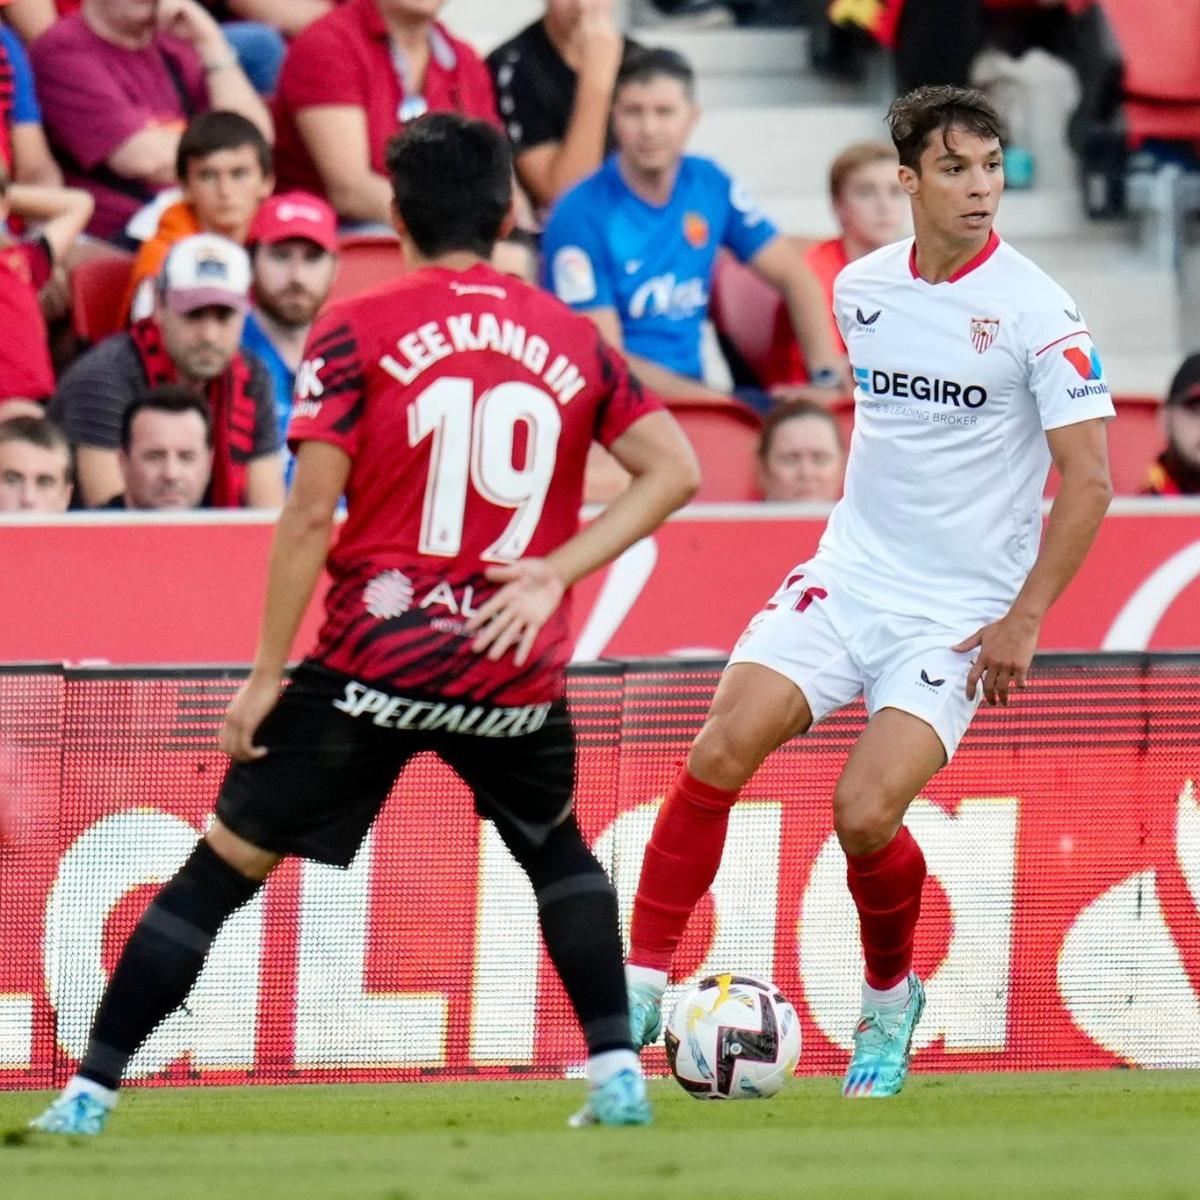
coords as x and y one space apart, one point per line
1061 923
95 588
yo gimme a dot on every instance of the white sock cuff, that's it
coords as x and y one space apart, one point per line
897 994
602 1067
77 1085
646 977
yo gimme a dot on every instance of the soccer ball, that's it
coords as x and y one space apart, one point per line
733 1037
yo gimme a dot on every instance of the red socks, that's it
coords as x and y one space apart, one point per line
886 886
680 864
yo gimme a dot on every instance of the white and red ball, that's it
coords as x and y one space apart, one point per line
733 1037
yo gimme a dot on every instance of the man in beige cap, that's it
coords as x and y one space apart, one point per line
202 296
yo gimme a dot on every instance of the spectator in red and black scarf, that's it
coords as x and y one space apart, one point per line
192 339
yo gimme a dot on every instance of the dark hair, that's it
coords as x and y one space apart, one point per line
219 130
781 414
451 183
916 115
4 181
651 62
40 432
168 398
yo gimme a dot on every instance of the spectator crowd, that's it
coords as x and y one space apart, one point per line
212 164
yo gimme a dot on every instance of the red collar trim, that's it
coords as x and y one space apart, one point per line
990 247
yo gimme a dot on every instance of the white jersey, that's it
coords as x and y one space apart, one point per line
955 386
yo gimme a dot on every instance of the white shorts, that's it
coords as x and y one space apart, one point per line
835 646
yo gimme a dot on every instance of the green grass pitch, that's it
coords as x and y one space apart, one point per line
1118 1134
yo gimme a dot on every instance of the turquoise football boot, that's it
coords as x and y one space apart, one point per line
620 1100
882 1046
645 1015
81 1114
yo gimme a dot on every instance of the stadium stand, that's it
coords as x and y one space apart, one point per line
97 289
725 437
744 310
365 261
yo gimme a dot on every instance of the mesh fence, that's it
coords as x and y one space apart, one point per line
1060 920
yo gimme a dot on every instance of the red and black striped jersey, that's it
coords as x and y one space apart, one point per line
466 401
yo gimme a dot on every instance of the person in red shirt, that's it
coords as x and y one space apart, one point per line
454 409
351 81
871 210
25 368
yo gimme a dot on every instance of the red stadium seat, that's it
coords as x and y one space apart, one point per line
843 413
1135 440
366 261
97 289
724 435
1162 67
744 308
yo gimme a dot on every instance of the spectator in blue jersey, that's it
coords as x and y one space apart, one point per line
293 249
634 245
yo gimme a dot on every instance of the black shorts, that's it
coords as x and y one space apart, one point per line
335 747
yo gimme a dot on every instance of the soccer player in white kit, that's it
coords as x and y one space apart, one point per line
973 371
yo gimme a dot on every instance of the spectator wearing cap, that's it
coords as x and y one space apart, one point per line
166 451
25 266
192 339
35 466
224 169
355 78
118 82
1176 471
293 255
554 85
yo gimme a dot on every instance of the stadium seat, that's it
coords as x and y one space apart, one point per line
744 309
97 288
843 413
366 261
1162 68
724 435
1135 440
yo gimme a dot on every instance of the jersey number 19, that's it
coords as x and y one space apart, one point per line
473 447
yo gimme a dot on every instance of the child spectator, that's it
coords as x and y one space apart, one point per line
118 82
224 168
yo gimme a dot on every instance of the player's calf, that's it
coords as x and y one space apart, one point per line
157 969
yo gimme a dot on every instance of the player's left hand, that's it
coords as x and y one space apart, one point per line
1006 648
514 616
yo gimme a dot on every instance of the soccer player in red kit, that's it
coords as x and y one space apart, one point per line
454 410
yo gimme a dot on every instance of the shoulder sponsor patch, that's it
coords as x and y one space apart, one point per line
746 204
573 274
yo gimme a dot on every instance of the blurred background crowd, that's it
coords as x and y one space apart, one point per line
183 186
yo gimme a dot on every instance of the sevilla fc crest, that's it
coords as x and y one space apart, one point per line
983 332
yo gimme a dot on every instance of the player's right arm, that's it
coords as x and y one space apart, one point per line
298 552
324 432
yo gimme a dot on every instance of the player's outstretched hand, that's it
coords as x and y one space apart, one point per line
254 699
514 616
1006 649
